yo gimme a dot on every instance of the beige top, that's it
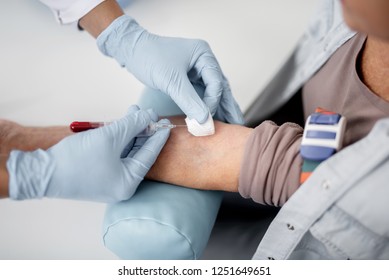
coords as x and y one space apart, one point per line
271 163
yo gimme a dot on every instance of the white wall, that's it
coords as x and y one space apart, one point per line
51 74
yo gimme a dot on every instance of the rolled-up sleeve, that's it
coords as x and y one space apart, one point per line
271 165
69 11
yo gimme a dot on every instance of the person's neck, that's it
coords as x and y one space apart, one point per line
374 66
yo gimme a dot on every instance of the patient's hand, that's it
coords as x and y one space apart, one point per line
211 162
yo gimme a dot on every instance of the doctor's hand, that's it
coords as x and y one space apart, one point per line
172 65
89 165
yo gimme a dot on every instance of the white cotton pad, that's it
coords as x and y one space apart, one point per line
196 129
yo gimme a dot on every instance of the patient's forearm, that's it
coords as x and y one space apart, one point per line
211 162
16 137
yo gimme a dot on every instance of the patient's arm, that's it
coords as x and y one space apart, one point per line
269 173
211 162
16 137
262 163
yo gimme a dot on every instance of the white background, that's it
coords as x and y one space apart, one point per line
52 75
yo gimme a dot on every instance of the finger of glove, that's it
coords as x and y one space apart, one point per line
230 107
186 97
212 76
153 115
129 147
134 145
150 150
132 109
124 130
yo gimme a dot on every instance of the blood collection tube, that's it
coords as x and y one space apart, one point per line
77 126
83 126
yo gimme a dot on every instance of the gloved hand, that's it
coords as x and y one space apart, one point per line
88 165
171 65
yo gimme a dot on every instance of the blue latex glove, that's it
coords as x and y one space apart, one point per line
88 165
172 65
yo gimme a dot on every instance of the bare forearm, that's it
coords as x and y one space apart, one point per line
16 137
211 163
42 137
101 17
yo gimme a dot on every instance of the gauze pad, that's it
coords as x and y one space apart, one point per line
205 129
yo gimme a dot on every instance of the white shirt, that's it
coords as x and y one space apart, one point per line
69 11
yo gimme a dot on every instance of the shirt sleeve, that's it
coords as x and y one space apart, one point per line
271 165
69 11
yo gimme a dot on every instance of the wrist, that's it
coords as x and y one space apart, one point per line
29 174
99 18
